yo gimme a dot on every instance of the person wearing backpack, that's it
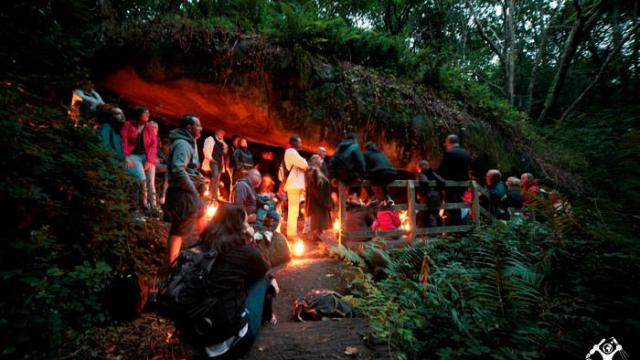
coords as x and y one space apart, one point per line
379 172
347 164
237 282
294 184
183 205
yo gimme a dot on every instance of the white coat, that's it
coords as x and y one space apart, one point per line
297 165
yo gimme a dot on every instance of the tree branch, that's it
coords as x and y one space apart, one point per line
595 80
483 34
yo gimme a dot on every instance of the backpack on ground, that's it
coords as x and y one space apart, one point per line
184 294
321 303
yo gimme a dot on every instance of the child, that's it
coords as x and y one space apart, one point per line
266 202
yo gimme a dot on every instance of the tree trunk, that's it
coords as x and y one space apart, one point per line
593 82
509 49
581 25
544 31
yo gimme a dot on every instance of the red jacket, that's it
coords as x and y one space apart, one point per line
531 191
386 220
129 135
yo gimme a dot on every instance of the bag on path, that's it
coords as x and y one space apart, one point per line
321 303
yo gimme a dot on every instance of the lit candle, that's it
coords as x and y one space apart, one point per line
298 248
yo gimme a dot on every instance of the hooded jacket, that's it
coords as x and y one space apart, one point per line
183 160
353 157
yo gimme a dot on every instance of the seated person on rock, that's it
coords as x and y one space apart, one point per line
266 207
244 193
238 282
496 202
514 194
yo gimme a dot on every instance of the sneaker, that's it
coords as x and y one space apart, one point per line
273 320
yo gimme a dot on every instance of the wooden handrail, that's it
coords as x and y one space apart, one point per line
476 211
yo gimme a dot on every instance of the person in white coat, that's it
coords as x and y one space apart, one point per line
294 186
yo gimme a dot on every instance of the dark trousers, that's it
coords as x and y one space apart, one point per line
454 195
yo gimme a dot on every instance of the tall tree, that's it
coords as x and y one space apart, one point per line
585 19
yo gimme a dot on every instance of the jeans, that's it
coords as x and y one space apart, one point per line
215 179
145 179
261 214
254 306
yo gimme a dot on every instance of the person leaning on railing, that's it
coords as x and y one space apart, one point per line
455 167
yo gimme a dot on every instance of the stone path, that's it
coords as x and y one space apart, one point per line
331 339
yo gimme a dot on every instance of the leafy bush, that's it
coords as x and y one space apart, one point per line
65 226
513 291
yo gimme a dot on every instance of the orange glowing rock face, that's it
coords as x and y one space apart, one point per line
244 114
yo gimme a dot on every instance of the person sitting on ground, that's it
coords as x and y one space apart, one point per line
514 194
379 172
347 164
140 146
266 206
84 101
242 159
238 281
530 188
386 220
455 167
111 119
360 220
183 206
496 203
244 193
318 198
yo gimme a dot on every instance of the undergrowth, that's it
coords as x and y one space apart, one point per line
515 290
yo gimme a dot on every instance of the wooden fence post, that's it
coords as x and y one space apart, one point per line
411 209
475 207
342 211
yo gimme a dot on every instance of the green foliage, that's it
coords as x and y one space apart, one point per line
294 25
65 225
524 290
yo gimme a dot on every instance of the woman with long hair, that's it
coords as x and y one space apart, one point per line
237 280
318 197
140 147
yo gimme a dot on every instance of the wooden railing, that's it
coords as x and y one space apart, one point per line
476 211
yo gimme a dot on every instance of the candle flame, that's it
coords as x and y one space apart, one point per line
336 225
404 219
211 210
298 248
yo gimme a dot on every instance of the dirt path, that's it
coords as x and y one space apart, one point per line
331 339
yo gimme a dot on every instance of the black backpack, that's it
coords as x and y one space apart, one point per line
283 172
184 295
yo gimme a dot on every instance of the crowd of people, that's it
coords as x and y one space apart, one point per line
253 195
